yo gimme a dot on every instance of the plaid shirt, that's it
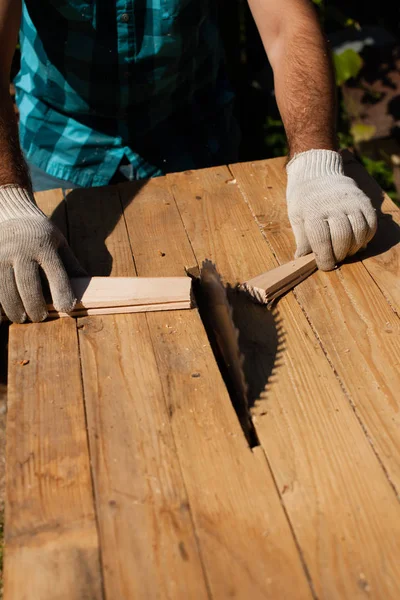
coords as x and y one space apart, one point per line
101 80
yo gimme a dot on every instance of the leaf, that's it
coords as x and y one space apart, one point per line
362 133
347 65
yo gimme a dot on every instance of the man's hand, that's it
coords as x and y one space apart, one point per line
28 240
329 214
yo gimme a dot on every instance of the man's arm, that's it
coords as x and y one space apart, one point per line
303 73
29 242
12 165
329 214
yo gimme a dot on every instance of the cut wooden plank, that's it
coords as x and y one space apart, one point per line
52 548
272 284
243 534
119 295
149 547
288 287
382 257
357 328
143 293
318 453
107 292
120 310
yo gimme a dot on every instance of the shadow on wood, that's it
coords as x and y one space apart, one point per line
388 233
261 341
90 229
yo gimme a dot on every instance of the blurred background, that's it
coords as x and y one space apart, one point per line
364 39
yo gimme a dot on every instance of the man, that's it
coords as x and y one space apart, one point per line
109 86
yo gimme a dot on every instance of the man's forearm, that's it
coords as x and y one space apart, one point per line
13 168
303 75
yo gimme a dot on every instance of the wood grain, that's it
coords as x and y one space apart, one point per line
123 295
314 443
382 257
121 310
52 203
273 283
97 233
141 293
51 537
242 531
149 548
359 331
51 533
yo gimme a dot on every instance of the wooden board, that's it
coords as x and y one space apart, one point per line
107 292
359 331
182 507
274 283
100 253
129 294
122 295
52 548
149 547
314 443
382 258
242 531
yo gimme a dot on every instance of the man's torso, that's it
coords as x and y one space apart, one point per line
100 80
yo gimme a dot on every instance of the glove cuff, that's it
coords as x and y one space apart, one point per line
314 164
17 202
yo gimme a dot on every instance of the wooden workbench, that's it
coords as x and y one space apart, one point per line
129 476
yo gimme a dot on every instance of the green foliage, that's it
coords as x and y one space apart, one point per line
347 65
362 132
275 137
382 173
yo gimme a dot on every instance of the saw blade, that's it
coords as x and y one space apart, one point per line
219 315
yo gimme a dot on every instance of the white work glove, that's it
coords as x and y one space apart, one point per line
29 240
328 212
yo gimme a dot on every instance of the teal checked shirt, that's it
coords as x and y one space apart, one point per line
106 80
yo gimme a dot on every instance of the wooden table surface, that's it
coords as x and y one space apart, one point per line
129 476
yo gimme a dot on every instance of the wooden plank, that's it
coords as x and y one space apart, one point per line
149 548
243 534
339 502
51 537
119 295
382 258
139 294
121 310
273 283
107 292
358 330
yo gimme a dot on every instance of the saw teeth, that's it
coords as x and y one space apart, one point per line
215 277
